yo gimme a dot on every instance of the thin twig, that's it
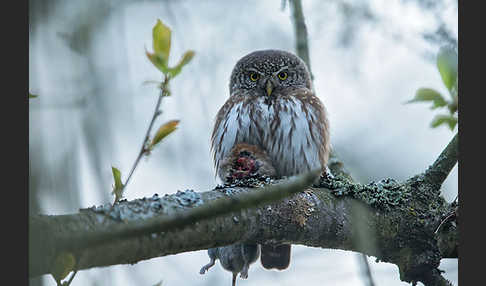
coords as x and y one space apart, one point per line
71 279
60 283
157 112
367 270
444 220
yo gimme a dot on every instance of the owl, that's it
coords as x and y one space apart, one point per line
273 110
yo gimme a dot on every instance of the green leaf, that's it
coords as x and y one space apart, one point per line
444 119
429 94
161 35
32 95
63 264
163 131
158 61
454 91
161 40
447 65
186 58
452 106
118 188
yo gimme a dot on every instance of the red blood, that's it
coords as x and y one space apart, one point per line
244 167
241 160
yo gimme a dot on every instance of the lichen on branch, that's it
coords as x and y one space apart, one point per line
402 218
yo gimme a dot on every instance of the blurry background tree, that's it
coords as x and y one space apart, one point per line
87 64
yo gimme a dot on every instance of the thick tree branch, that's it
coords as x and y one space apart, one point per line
438 172
401 223
319 217
181 218
199 212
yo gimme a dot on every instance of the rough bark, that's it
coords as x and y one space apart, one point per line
393 221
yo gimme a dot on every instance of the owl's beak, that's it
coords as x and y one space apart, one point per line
269 87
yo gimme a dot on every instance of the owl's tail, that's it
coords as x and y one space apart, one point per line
275 256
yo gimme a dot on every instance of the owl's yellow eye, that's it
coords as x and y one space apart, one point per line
254 76
282 75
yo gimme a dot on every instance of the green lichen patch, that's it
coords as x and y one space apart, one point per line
130 210
249 182
385 194
188 198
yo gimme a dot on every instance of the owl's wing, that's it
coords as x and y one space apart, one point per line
234 124
317 121
298 140
225 130
322 123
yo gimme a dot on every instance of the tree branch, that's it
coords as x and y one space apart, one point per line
302 47
401 224
438 172
183 217
207 210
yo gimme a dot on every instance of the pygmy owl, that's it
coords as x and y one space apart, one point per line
273 109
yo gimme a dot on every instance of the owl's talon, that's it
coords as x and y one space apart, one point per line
206 267
244 272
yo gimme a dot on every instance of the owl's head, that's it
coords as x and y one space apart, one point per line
267 72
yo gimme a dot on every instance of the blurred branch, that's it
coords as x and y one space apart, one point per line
302 47
367 270
320 217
